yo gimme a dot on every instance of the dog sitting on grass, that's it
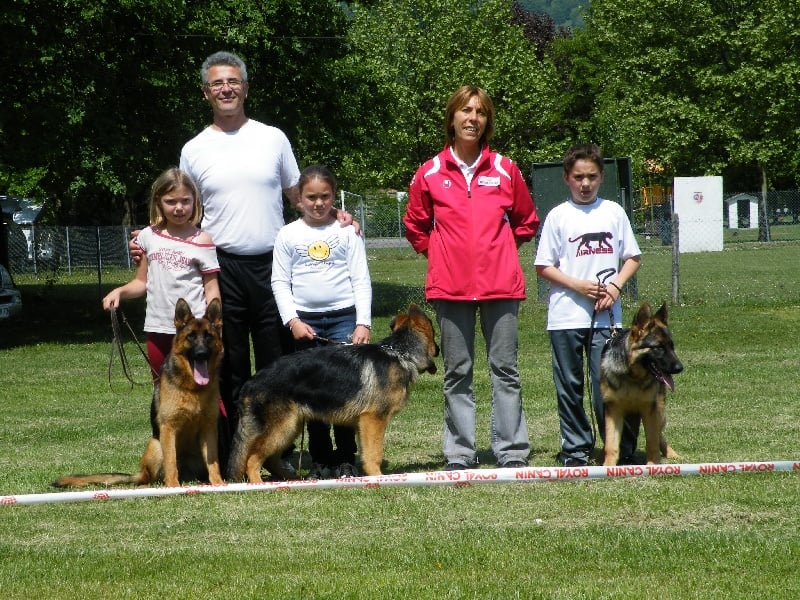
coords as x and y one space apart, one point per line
635 370
184 409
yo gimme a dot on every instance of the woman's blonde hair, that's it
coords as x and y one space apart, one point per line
170 180
459 100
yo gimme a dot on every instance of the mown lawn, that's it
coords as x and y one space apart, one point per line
706 536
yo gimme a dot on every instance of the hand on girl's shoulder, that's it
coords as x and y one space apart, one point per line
204 238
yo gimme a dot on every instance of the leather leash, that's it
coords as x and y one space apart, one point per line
118 346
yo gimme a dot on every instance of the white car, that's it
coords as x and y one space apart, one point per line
10 296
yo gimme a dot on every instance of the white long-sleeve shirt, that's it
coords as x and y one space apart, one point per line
319 269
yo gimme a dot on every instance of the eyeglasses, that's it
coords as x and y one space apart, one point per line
217 85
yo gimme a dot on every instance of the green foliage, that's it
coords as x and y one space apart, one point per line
89 101
101 96
698 85
578 62
411 56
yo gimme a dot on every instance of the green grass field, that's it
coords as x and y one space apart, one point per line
710 536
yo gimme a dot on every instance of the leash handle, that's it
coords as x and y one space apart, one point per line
602 277
605 274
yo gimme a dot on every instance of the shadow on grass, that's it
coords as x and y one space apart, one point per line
69 314
72 314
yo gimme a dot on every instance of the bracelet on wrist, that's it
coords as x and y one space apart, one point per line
619 289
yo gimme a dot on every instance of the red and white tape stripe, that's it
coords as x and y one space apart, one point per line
466 477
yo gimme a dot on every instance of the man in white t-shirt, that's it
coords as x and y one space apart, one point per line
243 168
587 251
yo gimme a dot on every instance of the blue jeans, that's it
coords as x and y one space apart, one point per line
337 326
509 432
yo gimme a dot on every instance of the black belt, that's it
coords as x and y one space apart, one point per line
266 256
339 312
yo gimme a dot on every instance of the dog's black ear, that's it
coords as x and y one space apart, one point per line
643 315
214 311
416 313
661 315
398 321
182 313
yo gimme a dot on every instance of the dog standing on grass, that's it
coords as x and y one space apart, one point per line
361 386
184 409
636 368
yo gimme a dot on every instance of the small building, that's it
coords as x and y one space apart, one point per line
742 211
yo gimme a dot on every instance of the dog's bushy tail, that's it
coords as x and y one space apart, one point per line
237 459
76 481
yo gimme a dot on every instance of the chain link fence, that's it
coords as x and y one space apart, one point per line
747 217
44 249
41 249
380 215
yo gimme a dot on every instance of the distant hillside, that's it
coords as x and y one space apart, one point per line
566 13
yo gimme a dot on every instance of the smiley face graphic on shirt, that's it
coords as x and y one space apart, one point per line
319 250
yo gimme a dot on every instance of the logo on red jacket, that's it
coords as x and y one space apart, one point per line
446 184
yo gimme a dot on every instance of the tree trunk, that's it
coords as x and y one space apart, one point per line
763 217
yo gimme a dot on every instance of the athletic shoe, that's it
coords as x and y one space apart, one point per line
319 471
571 461
514 464
455 467
346 470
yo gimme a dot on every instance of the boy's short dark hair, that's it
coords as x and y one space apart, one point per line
578 152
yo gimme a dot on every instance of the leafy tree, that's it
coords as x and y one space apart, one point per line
579 63
406 58
89 102
102 95
700 86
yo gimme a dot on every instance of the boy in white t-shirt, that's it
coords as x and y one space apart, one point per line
582 244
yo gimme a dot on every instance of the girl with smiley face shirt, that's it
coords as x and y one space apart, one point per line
322 286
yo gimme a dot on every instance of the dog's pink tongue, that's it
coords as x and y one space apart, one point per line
667 381
201 372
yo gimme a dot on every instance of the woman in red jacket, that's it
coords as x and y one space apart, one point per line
468 212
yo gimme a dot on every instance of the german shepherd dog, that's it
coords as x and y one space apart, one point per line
362 386
184 409
636 368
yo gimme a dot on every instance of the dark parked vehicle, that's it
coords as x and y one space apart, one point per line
10 296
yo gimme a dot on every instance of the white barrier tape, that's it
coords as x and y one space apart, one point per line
465 477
